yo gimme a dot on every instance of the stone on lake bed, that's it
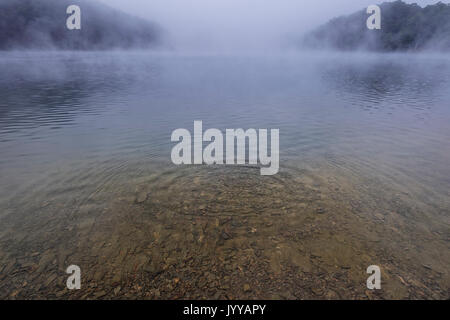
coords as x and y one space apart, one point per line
225 236
153 268
99 294
141 197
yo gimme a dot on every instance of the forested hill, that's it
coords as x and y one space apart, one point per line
404 27
41 24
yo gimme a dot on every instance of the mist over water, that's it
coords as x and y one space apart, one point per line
364 153
87 179
235 25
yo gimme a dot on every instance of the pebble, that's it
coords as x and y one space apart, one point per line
141 197
99 294
225 236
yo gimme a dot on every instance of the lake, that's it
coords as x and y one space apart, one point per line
87 178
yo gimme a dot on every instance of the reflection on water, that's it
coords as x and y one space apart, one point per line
87 179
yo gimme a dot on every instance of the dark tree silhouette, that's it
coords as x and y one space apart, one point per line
41 24
404 27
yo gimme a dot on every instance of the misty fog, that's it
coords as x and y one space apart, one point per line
229 25
88 178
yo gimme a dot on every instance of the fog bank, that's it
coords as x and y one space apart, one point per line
209 25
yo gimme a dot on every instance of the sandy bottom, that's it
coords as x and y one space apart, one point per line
218 232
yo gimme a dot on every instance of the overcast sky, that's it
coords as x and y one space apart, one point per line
239 24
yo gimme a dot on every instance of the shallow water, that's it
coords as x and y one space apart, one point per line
86 176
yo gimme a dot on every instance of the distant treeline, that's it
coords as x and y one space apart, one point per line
41 24
404 27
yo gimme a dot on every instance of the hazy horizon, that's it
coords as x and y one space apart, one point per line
110 189
230 25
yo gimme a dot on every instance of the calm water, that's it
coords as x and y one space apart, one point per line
86 176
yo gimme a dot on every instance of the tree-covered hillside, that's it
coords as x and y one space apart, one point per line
41 24
404 27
